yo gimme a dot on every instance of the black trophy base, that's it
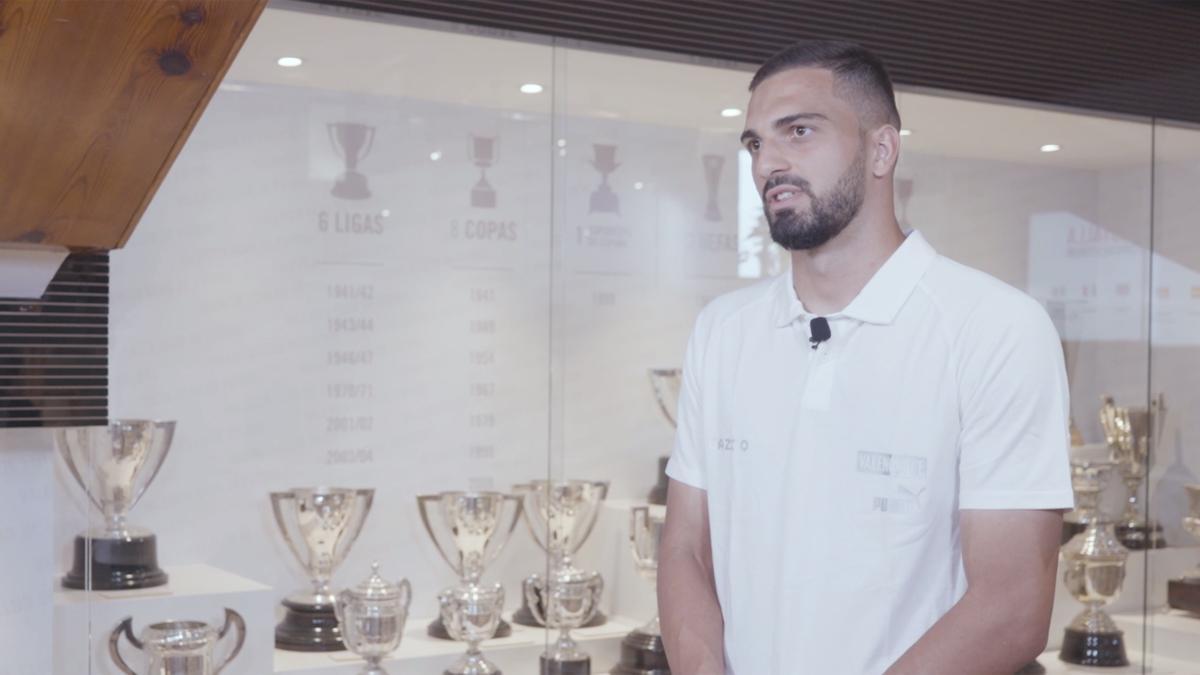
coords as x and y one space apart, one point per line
308 628
116 564
577 667
437 629
1141 537
1032 668
1094 649
642 654
658 495
1071 528
525 617
1184 594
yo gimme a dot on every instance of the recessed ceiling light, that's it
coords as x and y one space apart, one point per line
290 61
531 88
731 112
906 132
562 142
638 185
1050 147
435 155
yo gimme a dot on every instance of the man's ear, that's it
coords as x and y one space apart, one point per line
885 150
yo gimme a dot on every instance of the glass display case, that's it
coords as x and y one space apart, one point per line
421 301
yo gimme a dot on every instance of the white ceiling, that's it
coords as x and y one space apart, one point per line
388 59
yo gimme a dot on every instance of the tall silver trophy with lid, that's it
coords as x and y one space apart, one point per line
642 651
319 524
114 465
560 516
1132 433
469 530
665 383
1093 564
372 616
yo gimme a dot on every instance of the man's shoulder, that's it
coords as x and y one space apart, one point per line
754 298
973 302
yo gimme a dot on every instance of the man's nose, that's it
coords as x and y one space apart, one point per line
770 161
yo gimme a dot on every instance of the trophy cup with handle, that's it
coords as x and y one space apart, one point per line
1094 571
712 180
469 529
114 465
1128 432
560 516
372 617
177 647
642 651
1184 593
352 142
319 524
665 383
567 599
482 151
471 614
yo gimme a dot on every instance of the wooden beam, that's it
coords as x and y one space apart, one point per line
96 99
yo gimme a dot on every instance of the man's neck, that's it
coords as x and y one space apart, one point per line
828 278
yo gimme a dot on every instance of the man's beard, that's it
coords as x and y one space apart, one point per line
826 215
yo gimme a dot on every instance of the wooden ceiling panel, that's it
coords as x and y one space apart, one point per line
96 100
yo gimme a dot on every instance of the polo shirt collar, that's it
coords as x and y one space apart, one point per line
880 300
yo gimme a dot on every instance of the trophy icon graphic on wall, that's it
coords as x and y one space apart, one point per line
604 200
352 142
482 150
712 176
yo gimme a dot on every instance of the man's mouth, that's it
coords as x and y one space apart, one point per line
783 194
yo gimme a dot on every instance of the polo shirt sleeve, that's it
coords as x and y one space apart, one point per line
687 458
1014 405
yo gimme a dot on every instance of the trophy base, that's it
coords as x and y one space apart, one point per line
483 197
1071 528
351 185
642 654
658 495
581 666
308 628
525 617
1093 649
1184 594
437 629
1141 536
604 200
116 564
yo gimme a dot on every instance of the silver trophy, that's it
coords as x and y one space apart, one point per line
1093 571
603 199
372 616
114 465
712 179
469 530
560 516
567 599
482 151
642 651
1184 593
666 383
319 524
177 647
352 142
1128 433
471 614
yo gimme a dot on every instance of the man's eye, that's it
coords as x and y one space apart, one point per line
801 131
752 146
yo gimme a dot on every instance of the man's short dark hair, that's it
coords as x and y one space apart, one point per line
859 76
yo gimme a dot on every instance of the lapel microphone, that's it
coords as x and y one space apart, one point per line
819 330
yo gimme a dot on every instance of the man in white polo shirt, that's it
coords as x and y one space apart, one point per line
871 459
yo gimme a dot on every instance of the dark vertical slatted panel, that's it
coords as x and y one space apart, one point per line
1122 56
54 350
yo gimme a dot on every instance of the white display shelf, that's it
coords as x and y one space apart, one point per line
418 653
193 592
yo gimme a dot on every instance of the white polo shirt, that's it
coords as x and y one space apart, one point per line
835 476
